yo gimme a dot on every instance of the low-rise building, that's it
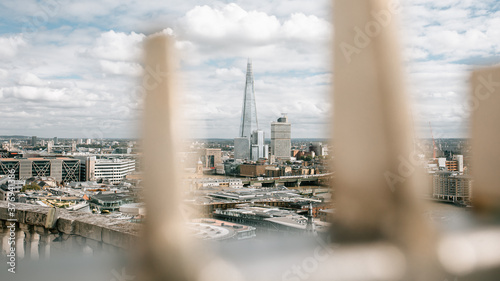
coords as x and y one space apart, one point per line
229 183
109 202
217 230
113 170
60 168
252 170
8 185
272 171
211 158
269 219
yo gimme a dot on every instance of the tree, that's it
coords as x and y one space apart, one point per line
32 186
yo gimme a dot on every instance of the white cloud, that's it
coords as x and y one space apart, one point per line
69 97
307 28
3 74
232 21
229 73
121 68
9 46
30 79
231 26
453 30
117 46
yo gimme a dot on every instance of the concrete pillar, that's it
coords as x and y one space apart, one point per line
371 122
34 240
162 135
4 238
484 102
44 246
376 197
19 243
30 241
44 242
26 241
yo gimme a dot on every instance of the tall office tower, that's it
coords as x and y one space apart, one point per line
33 140
242 148
259 149
249 112
49 146
460 162
56 140
281 133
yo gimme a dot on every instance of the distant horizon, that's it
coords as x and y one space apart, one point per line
137 138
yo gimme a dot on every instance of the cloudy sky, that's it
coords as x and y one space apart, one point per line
71 68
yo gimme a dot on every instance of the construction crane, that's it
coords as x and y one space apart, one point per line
434 148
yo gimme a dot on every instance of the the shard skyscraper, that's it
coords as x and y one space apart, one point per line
250 141
249 112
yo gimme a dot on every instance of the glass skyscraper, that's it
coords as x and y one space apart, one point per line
249 112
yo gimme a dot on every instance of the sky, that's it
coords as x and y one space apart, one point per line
72 68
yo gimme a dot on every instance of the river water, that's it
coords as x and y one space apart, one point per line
448 217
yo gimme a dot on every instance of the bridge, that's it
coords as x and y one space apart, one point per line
290 181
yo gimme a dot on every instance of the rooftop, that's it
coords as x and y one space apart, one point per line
37 159
111 197
212 229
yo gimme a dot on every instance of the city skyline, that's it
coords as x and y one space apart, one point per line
73 70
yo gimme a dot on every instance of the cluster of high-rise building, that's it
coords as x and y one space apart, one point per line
250 144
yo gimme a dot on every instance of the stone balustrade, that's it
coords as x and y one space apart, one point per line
71 231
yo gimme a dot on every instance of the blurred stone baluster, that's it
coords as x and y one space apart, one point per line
19 242
485 138
4 237
3 233
376 173
34 242
166 244
44 242
30 241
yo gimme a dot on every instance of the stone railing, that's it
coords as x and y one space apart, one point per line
37 229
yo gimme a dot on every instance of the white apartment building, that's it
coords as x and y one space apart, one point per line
113 170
